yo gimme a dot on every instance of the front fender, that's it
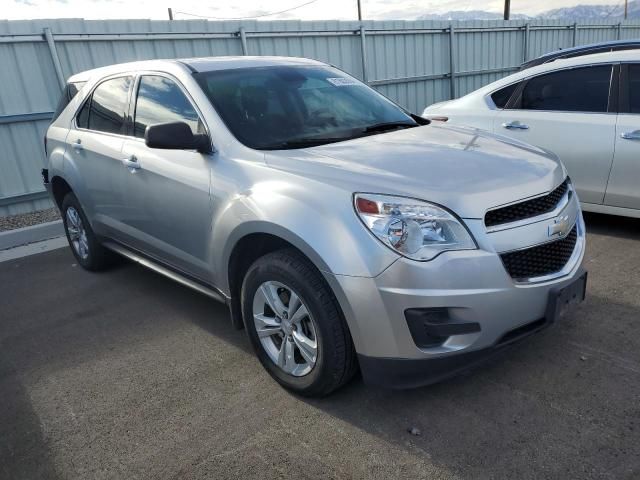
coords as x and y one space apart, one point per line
317 219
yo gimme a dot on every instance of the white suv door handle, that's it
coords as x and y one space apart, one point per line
77 145
516 125
131 162
635 135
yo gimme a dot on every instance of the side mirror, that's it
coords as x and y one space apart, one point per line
176 136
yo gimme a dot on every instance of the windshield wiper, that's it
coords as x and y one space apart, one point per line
316 141
381 127
303 143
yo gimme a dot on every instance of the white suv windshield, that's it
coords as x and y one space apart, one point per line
297 106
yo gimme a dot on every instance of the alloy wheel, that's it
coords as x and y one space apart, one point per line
77 233
285 328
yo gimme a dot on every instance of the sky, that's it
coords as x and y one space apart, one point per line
317 10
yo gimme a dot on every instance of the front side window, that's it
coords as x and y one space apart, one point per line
160 100
575 90
502 96
105 111
287 106
634 88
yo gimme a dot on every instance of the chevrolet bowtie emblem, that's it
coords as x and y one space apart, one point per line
559 227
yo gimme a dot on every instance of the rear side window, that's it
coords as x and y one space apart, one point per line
105 111
575 90
634 88
67 95
160 100
502 96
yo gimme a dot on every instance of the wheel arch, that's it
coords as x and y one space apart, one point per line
59 189
251 241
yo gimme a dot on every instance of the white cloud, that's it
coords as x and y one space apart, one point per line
321 9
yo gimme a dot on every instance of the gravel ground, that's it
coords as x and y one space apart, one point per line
27 219
125 374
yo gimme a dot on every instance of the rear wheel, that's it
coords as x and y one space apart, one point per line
295 324
84 244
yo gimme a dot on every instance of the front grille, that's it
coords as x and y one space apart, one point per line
526 209
541 260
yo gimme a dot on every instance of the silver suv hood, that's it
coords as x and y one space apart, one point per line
467 170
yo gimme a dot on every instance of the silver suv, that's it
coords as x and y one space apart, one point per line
341 230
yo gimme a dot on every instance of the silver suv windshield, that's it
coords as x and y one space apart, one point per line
282 107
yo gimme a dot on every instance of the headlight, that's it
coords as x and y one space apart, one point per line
416 229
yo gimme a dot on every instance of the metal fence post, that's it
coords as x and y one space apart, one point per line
243 40
54 57
575 34
619 30
363 49
452 63
525 46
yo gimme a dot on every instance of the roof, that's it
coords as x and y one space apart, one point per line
600 47
225 63
204 64
606 57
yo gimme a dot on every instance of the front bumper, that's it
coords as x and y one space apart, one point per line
410 373
400 373
473 287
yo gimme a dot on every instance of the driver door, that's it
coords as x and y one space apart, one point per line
167 192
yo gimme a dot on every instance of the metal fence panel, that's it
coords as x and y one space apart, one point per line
415 63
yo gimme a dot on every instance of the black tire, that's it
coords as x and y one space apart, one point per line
336 358
97 257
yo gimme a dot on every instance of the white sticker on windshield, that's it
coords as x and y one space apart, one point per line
343 81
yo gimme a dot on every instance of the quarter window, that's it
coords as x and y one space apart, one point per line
575 90
160 100
105 111
69 92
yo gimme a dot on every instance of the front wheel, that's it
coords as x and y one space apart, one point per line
295 324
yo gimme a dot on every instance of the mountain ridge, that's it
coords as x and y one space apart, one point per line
578 12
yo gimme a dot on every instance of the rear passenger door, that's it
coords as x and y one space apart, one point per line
168 207
568 112
94 148
623 189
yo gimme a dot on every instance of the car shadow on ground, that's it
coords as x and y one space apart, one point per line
612 225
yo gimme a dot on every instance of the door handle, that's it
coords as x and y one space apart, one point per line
77 145
635 135
515 125
131 162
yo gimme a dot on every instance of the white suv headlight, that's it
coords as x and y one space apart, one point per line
416 229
